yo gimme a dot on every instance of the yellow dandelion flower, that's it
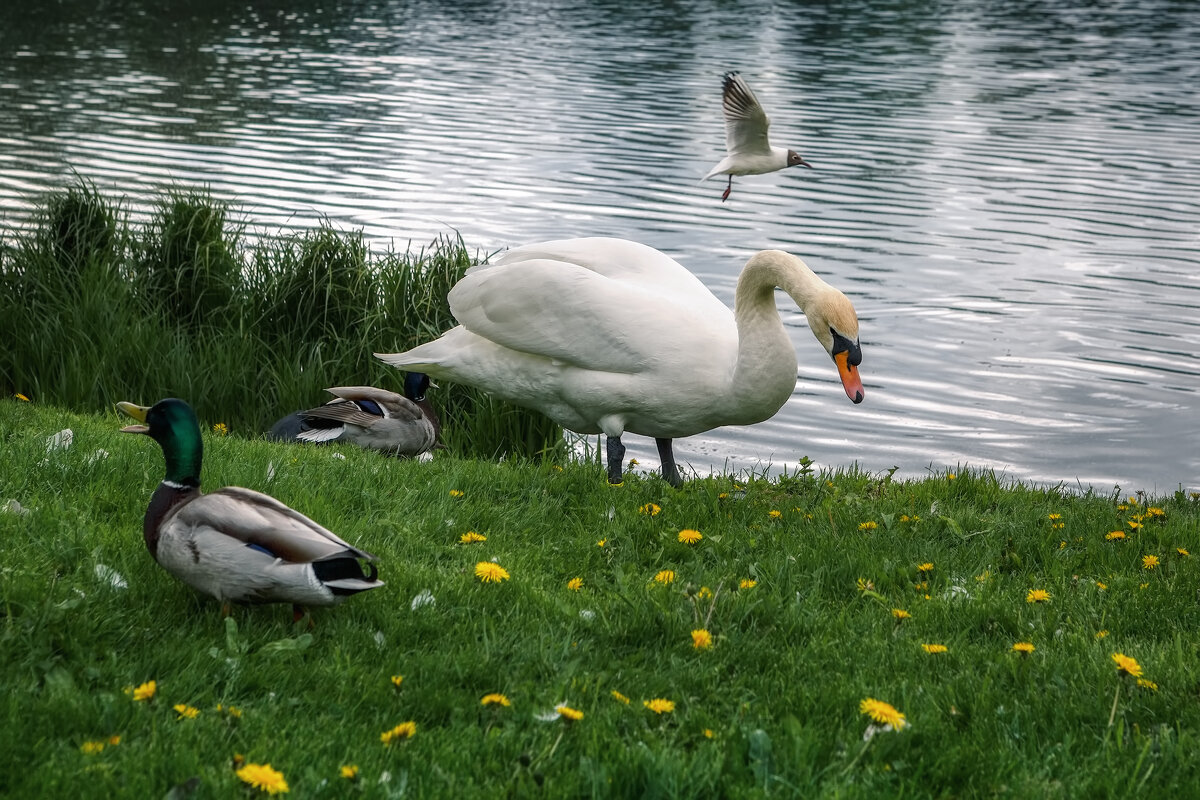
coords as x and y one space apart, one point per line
1101 634
1144 586
708 733
1182 552
1037 596
91 747
650 509
575 584
1024 648
568 713
145 691
774 514
1053 517
1149 562
701 639
221 429
470 537
1113 535
867 526
490 572
113 741
263 778
601 543
1127 665
983 576
665 576
455 493
21 397
882 712
950 476
926 567
1102 586
495 699
1155 511
723 496
747 583
350 772
405 730
1133 524
660 705
864 585
900 613
229 711
705 593
689 536
186 711
397 680
934 648
1145 684
620 698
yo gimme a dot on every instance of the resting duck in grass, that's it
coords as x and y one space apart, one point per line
608 335
375 419
238 545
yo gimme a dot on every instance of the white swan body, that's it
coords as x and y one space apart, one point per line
608 336
748 152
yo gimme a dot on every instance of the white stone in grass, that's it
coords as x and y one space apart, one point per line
341 456
586 614
13 507
423 598
270 471
426 456
108 575
60 441
548 716
99 455
380 641
612 512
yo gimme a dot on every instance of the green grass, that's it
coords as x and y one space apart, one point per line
779 691
97 310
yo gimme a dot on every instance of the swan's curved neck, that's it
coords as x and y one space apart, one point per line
765 375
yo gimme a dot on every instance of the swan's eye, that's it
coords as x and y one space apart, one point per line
843 345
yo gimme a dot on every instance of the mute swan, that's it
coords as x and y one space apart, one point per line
608 335
237 545
375 419
747 150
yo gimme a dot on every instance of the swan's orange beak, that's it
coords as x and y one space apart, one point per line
849 375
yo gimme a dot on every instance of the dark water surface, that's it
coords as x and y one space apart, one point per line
1007 191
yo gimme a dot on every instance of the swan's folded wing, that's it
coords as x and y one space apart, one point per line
575 315
259 519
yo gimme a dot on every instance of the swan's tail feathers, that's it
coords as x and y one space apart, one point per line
409 360
344 575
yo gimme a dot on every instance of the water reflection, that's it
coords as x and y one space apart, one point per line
1007 191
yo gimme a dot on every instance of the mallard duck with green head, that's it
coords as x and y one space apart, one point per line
235 544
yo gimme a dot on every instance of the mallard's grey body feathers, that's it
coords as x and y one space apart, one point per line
372 418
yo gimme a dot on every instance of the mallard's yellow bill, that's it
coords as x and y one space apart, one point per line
138 413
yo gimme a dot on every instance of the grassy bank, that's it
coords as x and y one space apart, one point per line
800 581
97 309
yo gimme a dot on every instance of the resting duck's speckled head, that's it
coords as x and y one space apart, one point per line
173 424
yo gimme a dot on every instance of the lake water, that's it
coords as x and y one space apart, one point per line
1007 191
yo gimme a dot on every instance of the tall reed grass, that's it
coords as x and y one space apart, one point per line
96 309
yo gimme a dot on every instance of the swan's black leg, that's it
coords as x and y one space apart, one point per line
666 457
616 452
728 189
